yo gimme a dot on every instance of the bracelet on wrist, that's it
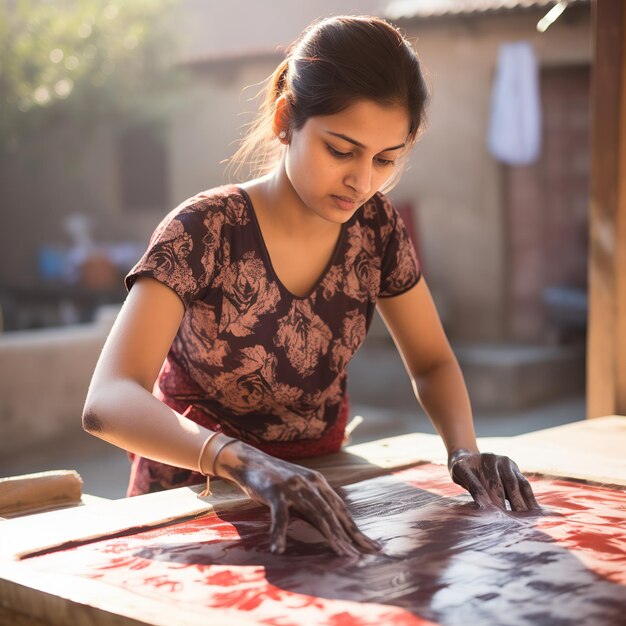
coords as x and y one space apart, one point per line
211 472
224 444
203 450
456 455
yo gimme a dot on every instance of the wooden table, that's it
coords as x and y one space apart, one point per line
173 558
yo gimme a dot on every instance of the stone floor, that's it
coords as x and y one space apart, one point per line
104 468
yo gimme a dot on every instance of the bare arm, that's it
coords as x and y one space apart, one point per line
434 371
121 409
438 382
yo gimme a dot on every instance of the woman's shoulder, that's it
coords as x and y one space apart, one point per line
211 209
207 211
222 199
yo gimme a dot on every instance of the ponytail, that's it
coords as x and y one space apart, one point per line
259 150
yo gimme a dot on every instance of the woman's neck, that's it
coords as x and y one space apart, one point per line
278 205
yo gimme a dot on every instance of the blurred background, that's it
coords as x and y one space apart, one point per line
112 113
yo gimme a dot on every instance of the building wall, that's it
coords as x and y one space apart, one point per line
452 181
455 182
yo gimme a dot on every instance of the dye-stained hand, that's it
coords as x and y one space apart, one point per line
491 479
283 486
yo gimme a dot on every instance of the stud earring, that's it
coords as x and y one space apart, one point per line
282 134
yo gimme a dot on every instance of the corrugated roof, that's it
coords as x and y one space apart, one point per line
407 9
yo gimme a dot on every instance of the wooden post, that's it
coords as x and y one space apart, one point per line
606 356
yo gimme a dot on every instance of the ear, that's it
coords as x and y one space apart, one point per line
281 121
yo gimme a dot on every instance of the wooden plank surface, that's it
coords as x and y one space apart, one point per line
591 450
22 536
42 491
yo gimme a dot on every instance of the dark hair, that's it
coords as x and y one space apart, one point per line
335 62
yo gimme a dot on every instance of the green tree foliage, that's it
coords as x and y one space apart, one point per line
80 60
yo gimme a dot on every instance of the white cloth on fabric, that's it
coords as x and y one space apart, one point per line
514 135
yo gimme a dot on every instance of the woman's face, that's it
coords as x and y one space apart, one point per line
335 163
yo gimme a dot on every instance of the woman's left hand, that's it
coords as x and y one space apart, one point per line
491 479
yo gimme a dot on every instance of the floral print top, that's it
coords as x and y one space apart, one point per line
250 358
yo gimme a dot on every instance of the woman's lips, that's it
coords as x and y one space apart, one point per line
345 203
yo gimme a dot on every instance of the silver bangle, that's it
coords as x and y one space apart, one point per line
226 443
202 450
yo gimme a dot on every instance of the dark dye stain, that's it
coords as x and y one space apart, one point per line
92 423
548 619
547 586
488 596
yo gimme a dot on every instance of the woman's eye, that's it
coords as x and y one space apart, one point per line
345 155
336 153
385 162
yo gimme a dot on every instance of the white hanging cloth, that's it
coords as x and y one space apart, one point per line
514 135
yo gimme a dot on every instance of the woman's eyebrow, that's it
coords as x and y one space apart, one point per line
359 144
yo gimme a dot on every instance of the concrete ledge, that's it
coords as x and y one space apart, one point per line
509 377
45 375
499 377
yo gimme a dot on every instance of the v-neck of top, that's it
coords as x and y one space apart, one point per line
268 260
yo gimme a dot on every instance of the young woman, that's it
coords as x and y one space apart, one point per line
229 355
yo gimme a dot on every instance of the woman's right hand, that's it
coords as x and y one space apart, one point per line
282 486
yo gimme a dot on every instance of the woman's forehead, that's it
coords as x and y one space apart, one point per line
375 126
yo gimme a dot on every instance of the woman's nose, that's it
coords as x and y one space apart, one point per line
360 178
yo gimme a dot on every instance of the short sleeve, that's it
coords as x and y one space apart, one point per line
400 269
176 254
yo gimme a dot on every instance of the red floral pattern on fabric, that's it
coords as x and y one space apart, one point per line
303 336
247 295
400 261
198 335
170 260
249 358
353 336
253 386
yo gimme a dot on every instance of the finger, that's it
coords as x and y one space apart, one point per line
304 498
278 530
320 516
356 535
334 508
511 486
527 491
337 510
464 477
490 477
340 513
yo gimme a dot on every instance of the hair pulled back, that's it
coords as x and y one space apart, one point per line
336 62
